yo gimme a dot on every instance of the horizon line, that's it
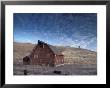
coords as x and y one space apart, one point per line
55 45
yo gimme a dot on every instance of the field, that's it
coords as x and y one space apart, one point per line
77 61
68 69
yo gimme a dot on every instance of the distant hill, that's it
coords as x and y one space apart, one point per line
71 55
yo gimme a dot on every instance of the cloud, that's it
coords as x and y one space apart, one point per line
57 29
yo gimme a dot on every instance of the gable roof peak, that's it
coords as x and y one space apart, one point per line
41 42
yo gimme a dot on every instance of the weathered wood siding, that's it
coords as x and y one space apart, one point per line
42 55
59 59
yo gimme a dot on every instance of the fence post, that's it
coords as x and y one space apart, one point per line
25 72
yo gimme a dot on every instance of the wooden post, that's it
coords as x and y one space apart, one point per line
25 72
33 69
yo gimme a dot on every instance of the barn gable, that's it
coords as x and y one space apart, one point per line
53 48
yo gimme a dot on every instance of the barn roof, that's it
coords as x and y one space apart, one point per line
55 50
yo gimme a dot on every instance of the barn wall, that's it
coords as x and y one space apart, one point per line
42 55
59 59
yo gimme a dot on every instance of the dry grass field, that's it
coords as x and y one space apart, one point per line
77 61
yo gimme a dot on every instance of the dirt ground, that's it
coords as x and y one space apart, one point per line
69 69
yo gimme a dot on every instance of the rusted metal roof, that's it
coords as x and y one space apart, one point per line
55 50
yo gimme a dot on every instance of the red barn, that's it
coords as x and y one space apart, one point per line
44 54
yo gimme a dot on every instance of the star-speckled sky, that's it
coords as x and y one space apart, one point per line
63 29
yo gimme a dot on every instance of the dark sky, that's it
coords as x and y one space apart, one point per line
64 29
